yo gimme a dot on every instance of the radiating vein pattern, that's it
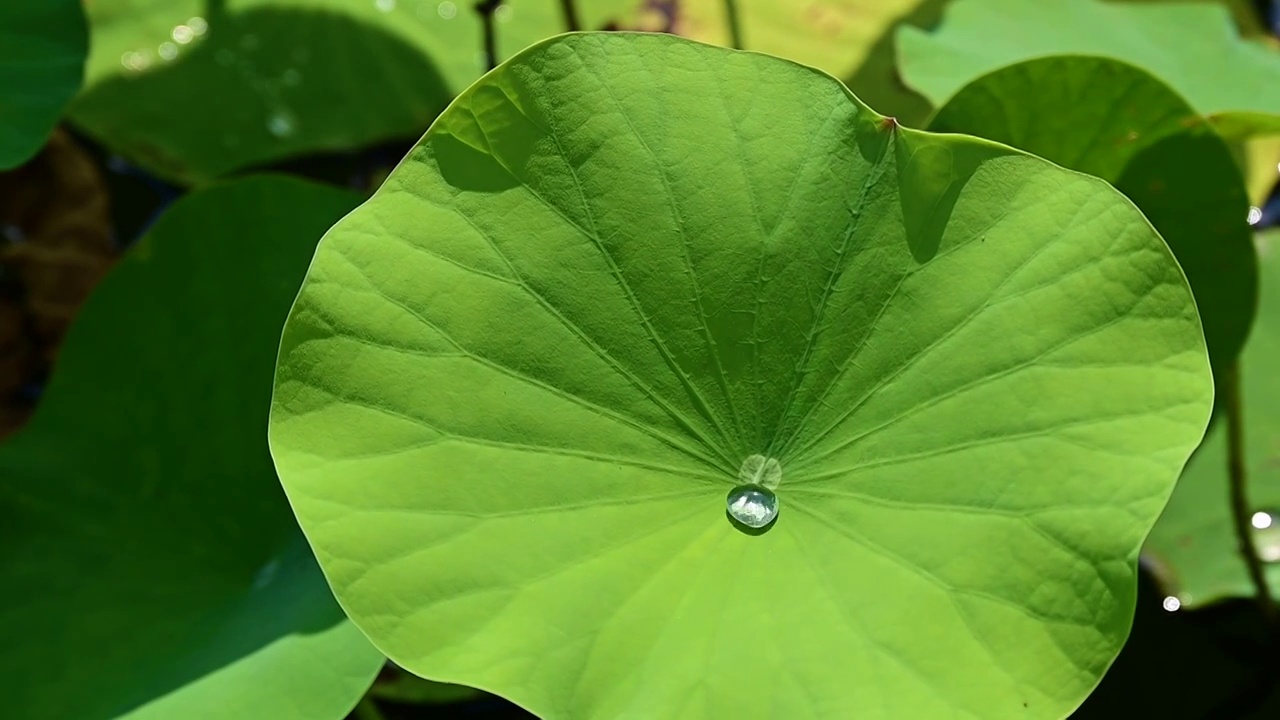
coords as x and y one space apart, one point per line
624 274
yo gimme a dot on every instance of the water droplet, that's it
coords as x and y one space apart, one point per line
182 34
249 42
198 25
447 10
1266 535
1255 214
135 61
291 77
1171 604
752 505
225 57
281 123
760 470
385 5
266 574
503 13
167 51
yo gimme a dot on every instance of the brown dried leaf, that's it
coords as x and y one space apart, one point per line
56 245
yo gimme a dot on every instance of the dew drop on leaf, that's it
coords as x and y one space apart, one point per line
281 123
182 34
1266 535
135 61
754 506
167 51
760 470
447 10
385 5
198 25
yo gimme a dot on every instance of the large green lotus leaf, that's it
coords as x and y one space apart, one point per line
43 44
152 565
520 382
193 94
1116 121
1193 47
1194 543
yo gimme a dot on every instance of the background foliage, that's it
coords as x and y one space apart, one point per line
194 152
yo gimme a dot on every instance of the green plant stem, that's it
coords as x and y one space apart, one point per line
735 25
570 10
1240 509
366 709
487 8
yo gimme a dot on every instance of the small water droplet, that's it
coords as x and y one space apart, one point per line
249 41
447 10
754 506
266 574
198 25
281 123
135 61
291 77
1255 214
1266 535
385 5
503 13
1171 604
167 51
182 34
760 470
225 57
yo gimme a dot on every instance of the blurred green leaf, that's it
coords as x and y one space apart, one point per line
152 567
1194 47
42 53
1116 121
194 93
520 382
851 39
1194 538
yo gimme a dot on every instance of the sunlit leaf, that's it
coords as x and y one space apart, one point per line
1117 122
624 273
151 565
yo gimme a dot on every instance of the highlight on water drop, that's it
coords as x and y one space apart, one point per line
281 123
753 506
1265 525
